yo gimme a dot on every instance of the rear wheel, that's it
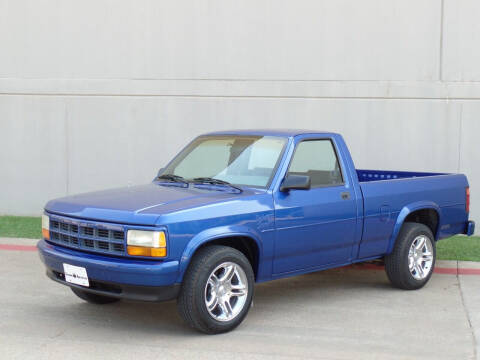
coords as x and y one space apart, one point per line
94 298
411 263
217 290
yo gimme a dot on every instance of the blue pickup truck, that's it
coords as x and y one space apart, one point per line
238 207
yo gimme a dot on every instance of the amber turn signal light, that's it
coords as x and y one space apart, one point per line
46 234
146 251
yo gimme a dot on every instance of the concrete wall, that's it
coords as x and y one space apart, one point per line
99 93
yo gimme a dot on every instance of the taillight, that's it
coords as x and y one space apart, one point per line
467 206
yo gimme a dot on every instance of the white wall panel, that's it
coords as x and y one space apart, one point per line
470 153
114 141
33 157
221 39
461 39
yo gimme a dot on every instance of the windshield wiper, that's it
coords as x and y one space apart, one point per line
173 178
213 181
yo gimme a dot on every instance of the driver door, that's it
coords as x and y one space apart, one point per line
314 227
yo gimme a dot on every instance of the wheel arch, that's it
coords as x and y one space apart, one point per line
425 212
244 241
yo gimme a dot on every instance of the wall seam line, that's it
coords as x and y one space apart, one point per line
460 138
67 151
444 98
440 58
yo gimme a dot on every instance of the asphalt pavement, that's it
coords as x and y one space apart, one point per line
347 313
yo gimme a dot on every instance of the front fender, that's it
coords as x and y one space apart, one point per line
407 210
212 234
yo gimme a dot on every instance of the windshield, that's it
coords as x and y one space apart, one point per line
240 160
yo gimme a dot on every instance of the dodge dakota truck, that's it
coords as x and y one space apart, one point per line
235 208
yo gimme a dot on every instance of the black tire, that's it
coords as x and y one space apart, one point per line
191 301
397 263
94 298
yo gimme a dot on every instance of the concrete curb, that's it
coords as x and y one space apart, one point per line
445 267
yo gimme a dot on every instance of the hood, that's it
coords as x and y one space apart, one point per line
140 205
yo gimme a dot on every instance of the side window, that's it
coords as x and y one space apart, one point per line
317 159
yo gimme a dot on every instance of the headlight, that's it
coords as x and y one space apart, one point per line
146 243
46 227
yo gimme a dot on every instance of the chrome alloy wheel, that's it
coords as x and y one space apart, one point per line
226 291
420 257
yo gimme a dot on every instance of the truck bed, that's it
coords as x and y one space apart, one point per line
387 195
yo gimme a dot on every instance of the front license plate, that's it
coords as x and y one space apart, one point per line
75 275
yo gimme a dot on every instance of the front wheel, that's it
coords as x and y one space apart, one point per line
217 290
411 263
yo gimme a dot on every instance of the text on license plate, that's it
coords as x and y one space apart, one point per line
75 275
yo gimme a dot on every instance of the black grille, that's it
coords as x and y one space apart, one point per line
103 233
88 243
118 235
91 237
118 247
103 245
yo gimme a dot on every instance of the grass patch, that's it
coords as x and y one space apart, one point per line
459 248
456 248
21 226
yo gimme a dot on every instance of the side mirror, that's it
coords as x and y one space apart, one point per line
297 182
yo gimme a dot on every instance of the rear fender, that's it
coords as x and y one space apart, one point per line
407 210
213 234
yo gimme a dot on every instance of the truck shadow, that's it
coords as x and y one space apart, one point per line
271 298
329 285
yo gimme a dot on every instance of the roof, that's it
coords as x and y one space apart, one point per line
269 132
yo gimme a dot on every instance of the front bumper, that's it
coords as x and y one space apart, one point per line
144 280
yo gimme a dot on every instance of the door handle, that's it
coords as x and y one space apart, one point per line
345 195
